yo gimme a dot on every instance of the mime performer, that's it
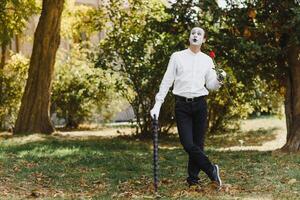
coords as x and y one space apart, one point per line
193 74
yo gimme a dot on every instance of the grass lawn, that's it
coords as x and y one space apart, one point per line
52 167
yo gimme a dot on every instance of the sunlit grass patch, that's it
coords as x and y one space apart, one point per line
41 152
243 138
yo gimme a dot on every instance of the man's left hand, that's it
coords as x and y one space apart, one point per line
221 75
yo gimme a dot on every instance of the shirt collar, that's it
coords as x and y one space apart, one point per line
192 53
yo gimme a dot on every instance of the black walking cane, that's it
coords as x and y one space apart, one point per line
155 153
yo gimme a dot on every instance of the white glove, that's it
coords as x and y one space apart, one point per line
221 75
155 110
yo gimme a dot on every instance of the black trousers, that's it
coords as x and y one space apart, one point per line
191 119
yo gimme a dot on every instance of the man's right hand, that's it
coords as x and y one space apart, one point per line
155 110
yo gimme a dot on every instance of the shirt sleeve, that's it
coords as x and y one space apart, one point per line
167 80
211 80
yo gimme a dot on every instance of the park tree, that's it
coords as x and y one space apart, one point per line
261 39
34 113
137 51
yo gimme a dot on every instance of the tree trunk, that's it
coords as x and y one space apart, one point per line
34 114
292 101
2 64
17 40
3 54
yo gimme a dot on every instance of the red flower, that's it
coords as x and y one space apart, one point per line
212 54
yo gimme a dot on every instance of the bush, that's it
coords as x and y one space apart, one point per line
80 90
227 106
12 77
236 101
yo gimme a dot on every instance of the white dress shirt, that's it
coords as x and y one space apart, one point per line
193 75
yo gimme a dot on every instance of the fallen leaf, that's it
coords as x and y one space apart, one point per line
292 181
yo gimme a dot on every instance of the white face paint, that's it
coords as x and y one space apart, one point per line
196 36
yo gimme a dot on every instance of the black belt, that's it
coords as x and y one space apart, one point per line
193 99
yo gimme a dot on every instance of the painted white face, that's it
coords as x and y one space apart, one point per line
197 36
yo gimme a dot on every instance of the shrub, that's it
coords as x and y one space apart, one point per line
12 77
79 89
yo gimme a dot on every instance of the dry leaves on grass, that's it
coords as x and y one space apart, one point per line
5 191
89 192
210 189
41 187
134 188
140 188
288 181
143 188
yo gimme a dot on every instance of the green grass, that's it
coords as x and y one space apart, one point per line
102 168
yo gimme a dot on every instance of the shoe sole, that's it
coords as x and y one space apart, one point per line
218 174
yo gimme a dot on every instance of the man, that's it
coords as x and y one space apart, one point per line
193 74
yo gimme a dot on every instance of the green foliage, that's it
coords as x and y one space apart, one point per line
79 90
138 46
13 17
250 86
227 106
235 101
13 83
79 21
137 51
265 97
256 38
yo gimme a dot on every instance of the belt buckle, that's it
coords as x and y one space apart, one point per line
189 99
